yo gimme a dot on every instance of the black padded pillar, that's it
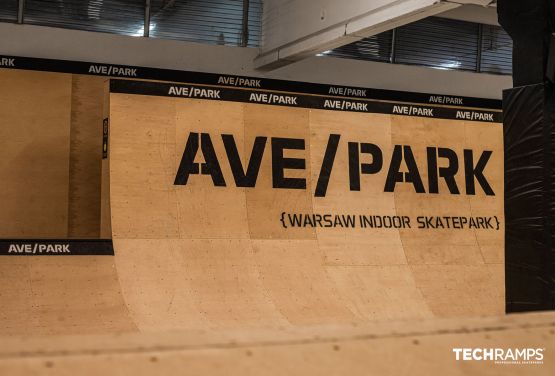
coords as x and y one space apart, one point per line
529 136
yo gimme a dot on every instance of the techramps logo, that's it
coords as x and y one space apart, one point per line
516 356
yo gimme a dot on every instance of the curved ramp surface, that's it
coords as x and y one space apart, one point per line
239 215
230 215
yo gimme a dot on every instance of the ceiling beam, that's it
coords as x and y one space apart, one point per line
295 29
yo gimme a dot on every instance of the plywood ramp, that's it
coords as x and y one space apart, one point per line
50 165
417 347
224 257
204 256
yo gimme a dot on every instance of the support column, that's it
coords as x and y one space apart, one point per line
529 136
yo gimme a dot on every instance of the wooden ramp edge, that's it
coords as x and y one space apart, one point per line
423 347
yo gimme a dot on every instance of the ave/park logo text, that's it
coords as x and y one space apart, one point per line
111 70
472 166
38 248
7 62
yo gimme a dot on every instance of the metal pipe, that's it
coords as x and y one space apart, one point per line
147 19
392 55
480 45
245 28
20 11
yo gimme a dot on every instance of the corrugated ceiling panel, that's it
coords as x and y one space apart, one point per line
497 50
438 42
205 21
374 48
8 10
435 42
111 16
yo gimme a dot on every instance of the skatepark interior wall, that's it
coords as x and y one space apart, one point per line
232 207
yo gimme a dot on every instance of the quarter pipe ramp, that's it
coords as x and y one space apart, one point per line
232 208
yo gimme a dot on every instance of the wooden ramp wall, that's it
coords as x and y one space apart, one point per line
200 255
204 256
51 154
50 167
